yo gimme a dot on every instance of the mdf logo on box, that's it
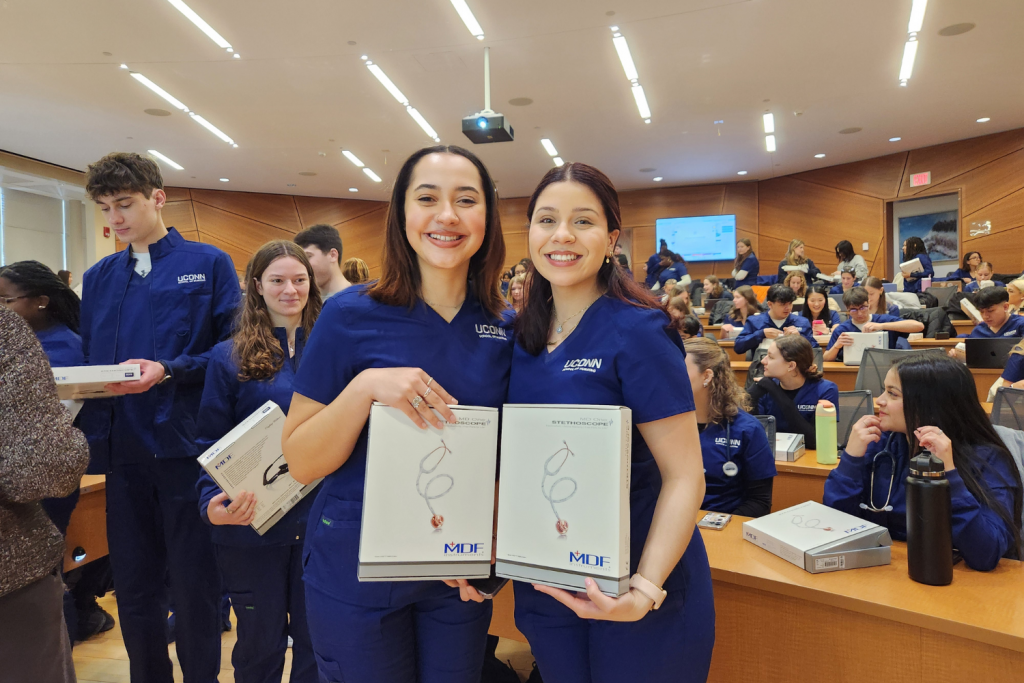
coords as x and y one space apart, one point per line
191 278
463 548
599 561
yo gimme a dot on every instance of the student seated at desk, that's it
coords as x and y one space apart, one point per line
713 289
863 320
968 271
688 326
930 402
996 321
777 321
876 298
744 305
1015 290
816 307
847 282
1013 373
792 387
797 281
984 274
914 248
739 465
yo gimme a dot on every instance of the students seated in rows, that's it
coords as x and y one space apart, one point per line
797 281
688 326
778 320
983 274
1013 373
673 268
848 260
847 281
713 289
816 308
914 248
968 271
876 298
996 320
744 305
792 387
863 320
1015 290
746 267
679 305
263 574
666 291
739 465
930 403
795 260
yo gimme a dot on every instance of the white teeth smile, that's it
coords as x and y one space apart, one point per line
563 257
444 238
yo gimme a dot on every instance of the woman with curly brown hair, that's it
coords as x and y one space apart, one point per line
263 574
739 466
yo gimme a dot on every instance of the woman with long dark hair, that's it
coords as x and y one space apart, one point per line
744 305
968 270
914 248
434 328
877 302
983 479
746 266
263 574
816 308
849 260
50 308
580 305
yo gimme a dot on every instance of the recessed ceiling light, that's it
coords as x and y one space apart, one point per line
520 101
167 160
468 19
200 23
984 119
896 139
237 56
657 179
353 158
741 173
549 147
371 175
769 142
308 174
956 29
769 122
157 112
353 189
224 180
819 156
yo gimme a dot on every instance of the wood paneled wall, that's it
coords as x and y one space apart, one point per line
820 207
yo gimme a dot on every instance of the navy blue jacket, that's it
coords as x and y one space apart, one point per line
674 272
1013 327
838 289
753 330
849 326
62 346
975 287
959 274
978 532
753 268
226 402
193 296
810 274
913 284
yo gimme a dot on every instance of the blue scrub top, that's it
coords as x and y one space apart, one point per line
753 267
226 402
674 272
743 442
131 438
975 287
63 347
1013 327
1014 370
914 285
806 401
978 532
959 274
894 311
753 330
470 357
635 354
838 289
849 326
653 270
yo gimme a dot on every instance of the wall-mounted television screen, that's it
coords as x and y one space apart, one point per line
699 238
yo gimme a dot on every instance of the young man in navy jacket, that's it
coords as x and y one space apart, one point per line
775 322
162 303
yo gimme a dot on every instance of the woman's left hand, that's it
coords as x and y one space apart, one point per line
466 592
596 605
938 443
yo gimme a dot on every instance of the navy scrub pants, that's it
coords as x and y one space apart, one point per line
154 531
265 585
426 635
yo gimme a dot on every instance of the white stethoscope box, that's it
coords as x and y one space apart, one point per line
563 502
90 381
789 447
428 497
820 539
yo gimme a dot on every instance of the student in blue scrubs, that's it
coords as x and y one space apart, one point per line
983 479
579 306
983 274
816 308
996 320
655 264
857 302
674 270
847 282
263 574
746 266
914 248
744 305
795 260
968 271
877 301
433 329
792 388
1013 373
777 321
161 303
739 465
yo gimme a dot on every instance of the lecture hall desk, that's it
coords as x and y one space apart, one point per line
88 526
777 623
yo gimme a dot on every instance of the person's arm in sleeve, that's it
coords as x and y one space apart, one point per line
757 501
750 337
187 369
216 416
978 532
845 485
41 454
804 326
758 473
812 272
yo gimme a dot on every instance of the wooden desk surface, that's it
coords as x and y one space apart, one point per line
93 482
962 326
987 607
934 343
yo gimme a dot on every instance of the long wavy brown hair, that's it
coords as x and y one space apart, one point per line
725 396
256 350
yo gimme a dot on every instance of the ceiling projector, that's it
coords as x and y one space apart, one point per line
487 125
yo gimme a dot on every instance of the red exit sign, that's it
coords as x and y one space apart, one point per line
919 179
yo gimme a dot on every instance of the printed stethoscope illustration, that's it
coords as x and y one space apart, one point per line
561 525
436 520
812 523
269 478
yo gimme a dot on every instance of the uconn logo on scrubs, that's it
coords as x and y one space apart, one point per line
191 278
584 364
588 560
463 548
491 332
806 409
720 441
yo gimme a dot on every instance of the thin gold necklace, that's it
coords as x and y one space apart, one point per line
558 329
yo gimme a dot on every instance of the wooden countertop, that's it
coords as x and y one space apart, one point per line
986 607
93 482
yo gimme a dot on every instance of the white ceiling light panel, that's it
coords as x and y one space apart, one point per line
178 104
468 19
167 160
390 86
201 24
910 49
629 67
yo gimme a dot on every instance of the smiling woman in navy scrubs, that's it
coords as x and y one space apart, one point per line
580 305
263 574
433 329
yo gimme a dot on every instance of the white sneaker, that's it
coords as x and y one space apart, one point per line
289 641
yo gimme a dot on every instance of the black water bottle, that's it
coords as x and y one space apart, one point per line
929 522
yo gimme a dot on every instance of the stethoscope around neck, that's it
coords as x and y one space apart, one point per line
870 505
729 469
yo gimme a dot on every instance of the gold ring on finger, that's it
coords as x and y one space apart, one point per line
430 380
417 401
427 392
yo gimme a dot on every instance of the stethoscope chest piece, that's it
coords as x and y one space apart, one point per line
730 469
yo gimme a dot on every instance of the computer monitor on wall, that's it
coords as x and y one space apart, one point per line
699 238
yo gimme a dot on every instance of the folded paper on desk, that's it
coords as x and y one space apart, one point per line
853 353
820 539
